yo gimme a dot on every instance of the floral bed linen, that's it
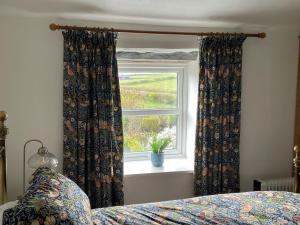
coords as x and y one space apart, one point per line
241 208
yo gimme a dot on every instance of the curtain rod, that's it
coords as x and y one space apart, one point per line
54 27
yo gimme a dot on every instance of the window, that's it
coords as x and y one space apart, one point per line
152 104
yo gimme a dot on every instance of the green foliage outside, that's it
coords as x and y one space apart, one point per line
147 92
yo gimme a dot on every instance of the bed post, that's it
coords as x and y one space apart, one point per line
3 133
297 169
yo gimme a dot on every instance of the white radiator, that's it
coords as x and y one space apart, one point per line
280 184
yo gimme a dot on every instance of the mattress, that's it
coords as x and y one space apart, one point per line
240 208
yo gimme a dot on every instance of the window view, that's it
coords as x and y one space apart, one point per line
150 109
139 130
148 91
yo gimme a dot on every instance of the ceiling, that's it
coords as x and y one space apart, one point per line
202 13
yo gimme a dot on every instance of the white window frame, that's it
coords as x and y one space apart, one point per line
181 110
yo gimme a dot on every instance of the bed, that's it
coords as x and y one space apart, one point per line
241 208
55 208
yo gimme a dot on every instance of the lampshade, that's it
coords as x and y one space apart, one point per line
43 158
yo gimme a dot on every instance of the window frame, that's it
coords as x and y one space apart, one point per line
181 110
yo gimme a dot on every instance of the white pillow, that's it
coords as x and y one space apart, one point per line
6 206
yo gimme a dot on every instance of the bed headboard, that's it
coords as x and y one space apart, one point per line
296 163
3 133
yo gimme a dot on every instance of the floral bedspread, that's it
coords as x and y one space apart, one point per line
241 208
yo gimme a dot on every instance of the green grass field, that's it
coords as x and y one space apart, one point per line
149 91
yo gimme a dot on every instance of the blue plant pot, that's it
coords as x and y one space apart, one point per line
157 159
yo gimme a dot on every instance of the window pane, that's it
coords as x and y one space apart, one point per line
138 131
148 91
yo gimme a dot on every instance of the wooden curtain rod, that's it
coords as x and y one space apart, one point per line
54 27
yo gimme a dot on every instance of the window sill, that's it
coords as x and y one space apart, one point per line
170 166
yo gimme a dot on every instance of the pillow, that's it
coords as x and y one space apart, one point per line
51 199
6 206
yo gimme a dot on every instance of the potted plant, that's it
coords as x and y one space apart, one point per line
157 147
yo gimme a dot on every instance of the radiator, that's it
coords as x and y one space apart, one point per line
280 184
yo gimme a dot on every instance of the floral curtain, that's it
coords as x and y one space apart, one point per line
218 117
93 136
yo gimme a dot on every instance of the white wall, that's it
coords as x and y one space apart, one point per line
31 92
268 106
154 187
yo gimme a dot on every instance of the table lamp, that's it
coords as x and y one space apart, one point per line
42 158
